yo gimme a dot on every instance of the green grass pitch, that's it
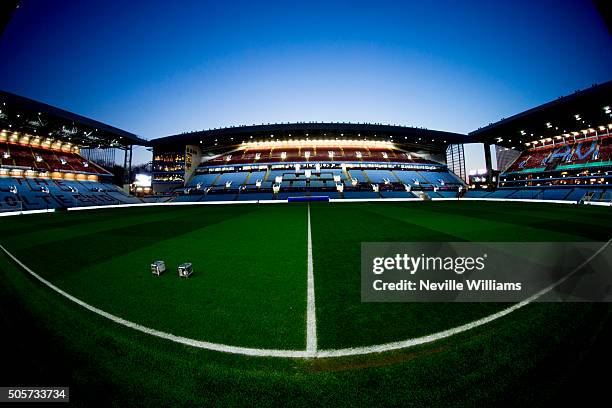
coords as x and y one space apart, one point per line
249 290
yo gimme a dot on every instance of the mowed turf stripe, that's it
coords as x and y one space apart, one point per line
64 227
582 221
469 225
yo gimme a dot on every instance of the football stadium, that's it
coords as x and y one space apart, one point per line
235 277
277 312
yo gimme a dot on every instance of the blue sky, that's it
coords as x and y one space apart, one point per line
156 68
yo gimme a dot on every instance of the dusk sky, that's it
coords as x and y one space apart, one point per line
157 68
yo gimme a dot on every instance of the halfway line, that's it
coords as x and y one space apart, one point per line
311 312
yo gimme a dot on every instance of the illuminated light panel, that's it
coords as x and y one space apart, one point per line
315 143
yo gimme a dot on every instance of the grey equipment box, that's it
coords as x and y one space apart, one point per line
185 270
158 267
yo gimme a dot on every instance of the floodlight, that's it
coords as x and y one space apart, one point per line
142 180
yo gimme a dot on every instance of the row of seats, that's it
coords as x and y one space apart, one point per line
315 154
566 194
38 194
37 158
593 150
324 179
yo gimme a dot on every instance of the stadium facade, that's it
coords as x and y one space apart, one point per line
561 150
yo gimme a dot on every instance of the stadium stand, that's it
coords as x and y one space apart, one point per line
38 194
36 177
51 158
587 152
334 170
569 168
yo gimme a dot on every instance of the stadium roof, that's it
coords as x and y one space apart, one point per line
22 114
420 138
582 110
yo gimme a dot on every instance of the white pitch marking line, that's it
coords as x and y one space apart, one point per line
311 311
379 348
